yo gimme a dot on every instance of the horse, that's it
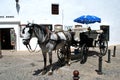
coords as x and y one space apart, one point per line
48 41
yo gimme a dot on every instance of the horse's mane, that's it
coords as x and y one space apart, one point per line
42 28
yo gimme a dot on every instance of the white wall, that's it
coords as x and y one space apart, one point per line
39 11
16 28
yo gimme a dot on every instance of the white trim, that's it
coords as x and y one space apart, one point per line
15 25
9 22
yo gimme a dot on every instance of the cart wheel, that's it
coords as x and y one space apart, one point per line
103 45
61 55
84 53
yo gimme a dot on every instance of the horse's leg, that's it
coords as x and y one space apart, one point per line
68 55
45 63
50 61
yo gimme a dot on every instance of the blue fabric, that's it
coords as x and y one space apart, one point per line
87 19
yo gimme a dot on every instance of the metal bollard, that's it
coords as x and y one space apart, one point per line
109 54
99 71
76 75
114 51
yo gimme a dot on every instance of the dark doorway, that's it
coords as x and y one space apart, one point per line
5 39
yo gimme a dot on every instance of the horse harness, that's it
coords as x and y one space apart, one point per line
48 33
59 39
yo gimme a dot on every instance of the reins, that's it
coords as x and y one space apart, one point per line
32 50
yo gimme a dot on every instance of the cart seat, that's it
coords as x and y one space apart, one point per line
73 42
77 32
99 31
91 36
93 33
77 36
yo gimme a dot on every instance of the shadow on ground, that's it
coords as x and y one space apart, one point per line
59 64
56 66
77 57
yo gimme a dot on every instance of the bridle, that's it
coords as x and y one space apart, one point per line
33 30
28 46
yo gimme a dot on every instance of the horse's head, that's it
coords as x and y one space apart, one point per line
27 33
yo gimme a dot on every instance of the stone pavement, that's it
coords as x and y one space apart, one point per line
22 65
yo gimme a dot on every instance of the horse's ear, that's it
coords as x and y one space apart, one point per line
30 24
23 31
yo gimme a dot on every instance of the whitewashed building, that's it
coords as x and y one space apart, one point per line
40 11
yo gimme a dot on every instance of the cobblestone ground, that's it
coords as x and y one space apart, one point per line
23 65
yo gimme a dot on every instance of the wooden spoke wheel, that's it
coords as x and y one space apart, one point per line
84 53
61 54
103 46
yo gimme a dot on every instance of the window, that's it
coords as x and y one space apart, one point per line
55 9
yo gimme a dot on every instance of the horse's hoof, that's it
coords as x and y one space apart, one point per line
82 62
44 72
68 64
50 73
